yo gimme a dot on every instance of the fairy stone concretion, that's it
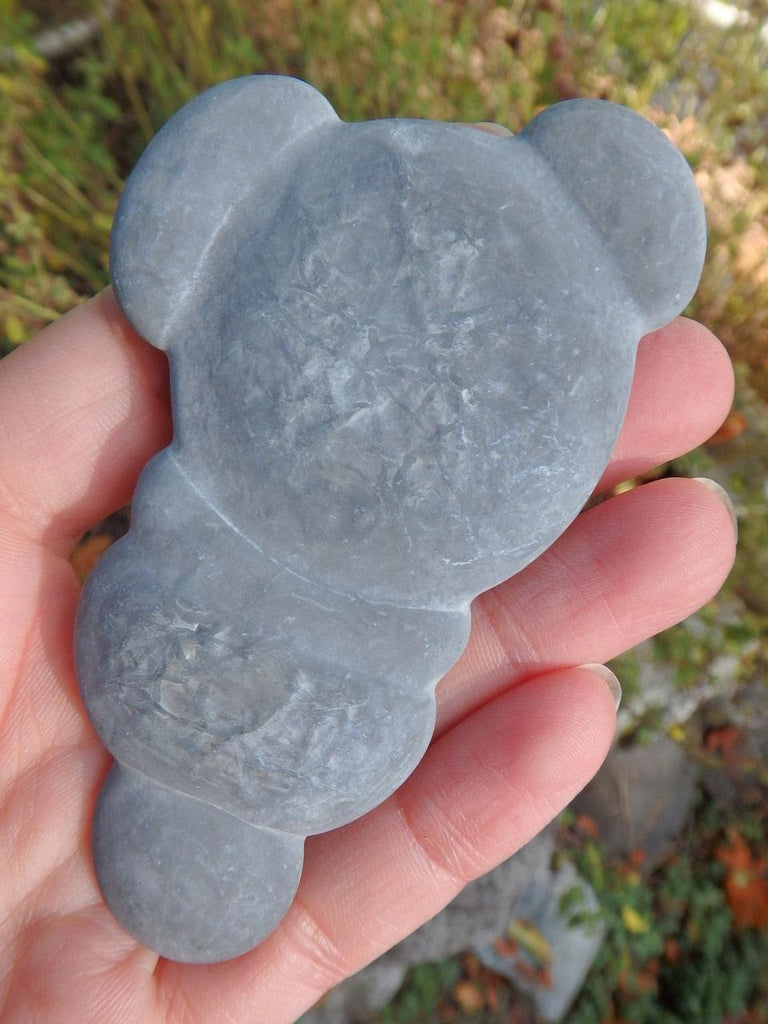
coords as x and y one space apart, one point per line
400 355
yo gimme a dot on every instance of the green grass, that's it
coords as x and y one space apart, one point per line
679 948
71 132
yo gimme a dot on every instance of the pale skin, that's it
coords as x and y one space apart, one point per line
520 729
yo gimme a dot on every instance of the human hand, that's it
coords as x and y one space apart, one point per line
520 731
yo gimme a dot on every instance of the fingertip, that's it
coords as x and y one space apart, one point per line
702 365
93 397
723 497
707 506
609 678
682 391
696 516
547 736
579 704
717 374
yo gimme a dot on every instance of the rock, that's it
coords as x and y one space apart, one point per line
640 799
657 694
523 888
571 947
400 355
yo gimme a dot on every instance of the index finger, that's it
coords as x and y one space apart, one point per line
86 404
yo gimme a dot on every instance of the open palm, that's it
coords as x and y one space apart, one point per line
520 730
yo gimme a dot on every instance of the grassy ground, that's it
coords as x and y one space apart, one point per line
71 128
686 946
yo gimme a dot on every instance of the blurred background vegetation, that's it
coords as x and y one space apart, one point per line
83 87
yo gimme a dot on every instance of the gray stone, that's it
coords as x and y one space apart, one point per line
478 915
401 352
573 939
525 888
641 798
658 696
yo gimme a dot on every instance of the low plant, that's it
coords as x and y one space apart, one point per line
689 944
71 130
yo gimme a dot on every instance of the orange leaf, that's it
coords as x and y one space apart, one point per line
736 854
587 825
505 947
647 982
540 976
724 740
637 857
746 887
748 899
671 949
87 553
469 997
735 423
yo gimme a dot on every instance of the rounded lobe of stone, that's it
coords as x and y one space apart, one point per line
638 192
179 188
401 353
190 881
291 707
413 381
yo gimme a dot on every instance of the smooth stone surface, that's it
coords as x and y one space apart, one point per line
165 849
400 355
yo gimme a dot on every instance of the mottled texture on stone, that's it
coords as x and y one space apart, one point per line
400 355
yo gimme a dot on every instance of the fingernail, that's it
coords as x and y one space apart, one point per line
492 128
611 681
723 496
